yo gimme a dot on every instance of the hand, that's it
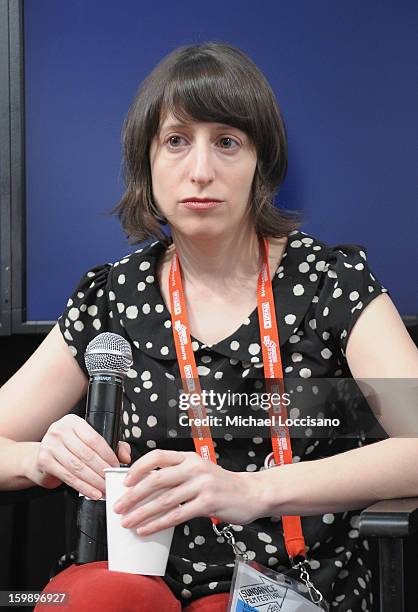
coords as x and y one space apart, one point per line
73 452
190 487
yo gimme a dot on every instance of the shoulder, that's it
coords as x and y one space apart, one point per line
346 285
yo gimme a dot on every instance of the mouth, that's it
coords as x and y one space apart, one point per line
199 205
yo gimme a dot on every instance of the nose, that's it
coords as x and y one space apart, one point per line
201 163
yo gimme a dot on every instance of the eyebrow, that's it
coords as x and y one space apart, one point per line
179 126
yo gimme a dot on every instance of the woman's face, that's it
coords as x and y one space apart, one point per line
202 160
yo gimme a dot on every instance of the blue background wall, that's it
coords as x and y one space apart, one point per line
344 77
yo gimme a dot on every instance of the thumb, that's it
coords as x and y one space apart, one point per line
124 452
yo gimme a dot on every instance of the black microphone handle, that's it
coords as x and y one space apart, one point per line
103 413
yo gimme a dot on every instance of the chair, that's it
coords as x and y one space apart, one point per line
392 521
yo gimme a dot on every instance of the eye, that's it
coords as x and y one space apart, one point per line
231 140
171 138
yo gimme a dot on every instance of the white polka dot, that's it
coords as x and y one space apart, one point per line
264 537
73 314
298 290
136 432
337 292
326 353
304 267
186 593
149 279
199 540
312 323
305 372
354 295
97 324
320 266
270 549
234 346
131 373
212 585
361 582
152 421
159 308
294 338
296 357
187 579
325 311
120 307
203 370
199 567
355 521
78 326
146 308
151 444
359 266
254 348
295 244
141 286
132 312
144 265
121 279
164 350
290 319
153 397
314 564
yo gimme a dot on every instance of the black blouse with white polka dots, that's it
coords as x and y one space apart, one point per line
319 293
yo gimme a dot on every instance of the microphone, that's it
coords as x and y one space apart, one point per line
108 358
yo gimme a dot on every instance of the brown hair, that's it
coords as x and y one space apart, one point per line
212 82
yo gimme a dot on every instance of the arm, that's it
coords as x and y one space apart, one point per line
43 390
379 346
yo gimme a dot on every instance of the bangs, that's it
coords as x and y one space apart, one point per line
204 91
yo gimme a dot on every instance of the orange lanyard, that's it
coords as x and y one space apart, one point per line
273 372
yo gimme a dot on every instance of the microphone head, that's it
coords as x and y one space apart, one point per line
108 352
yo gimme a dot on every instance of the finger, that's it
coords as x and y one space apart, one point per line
71 463
86 454
58 470
92 439
179 514
162 504
157 458
124 452
166 478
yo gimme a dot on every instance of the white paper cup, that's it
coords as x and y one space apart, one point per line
128 551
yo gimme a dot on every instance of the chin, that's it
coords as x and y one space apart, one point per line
201 230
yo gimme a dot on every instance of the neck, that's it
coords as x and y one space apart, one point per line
222 259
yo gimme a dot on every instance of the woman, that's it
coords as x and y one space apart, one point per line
205 151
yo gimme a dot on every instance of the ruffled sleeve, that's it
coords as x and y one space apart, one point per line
88 311
348 287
